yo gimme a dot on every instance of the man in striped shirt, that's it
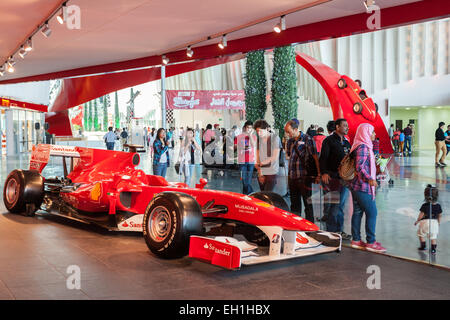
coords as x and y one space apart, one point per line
304 169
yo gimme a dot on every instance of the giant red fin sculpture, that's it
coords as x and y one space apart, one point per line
347 100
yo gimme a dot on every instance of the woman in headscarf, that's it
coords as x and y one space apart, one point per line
363 189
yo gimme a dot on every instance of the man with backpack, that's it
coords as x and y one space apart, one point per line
334 149
408 134
123 138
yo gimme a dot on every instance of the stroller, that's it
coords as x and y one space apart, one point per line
383 175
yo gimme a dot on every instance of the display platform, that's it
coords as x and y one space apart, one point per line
35 255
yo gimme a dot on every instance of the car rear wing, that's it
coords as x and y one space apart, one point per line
41 153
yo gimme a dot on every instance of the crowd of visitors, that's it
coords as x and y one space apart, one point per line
312 158
402 139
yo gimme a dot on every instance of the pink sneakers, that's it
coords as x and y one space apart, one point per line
359 245
375 247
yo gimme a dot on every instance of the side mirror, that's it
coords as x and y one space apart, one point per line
202 183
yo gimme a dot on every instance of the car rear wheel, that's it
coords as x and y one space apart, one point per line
254 234
23 187
169 221
357 108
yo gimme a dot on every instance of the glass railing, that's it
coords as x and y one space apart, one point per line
399 198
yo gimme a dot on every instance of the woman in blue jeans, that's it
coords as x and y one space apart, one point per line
187 155
363 189
160 154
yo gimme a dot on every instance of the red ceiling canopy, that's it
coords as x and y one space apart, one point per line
80 90
408 13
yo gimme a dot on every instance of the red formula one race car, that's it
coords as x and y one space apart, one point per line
104 188
361 103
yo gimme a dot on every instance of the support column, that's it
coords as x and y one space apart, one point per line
163 97
10 141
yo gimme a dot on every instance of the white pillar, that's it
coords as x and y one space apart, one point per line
402 59
430 49
10 141
379 82
417 51
391 68
442 47
367 63
355 54
163 97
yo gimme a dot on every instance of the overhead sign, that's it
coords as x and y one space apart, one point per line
19 104
205 99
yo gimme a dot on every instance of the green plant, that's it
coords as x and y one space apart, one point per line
116 111
90 116
85 116
255 86
284 87
96 124
106 105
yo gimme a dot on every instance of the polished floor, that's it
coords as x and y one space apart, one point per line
35 253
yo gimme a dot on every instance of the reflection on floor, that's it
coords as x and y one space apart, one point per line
35 252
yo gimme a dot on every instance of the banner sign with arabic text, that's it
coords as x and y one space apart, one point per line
205 99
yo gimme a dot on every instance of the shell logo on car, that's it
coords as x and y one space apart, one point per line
96 192
263 204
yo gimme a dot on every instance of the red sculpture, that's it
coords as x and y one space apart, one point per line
347 100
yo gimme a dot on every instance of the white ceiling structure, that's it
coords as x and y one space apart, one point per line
119 30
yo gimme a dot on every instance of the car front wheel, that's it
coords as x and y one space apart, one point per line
169 221
254 234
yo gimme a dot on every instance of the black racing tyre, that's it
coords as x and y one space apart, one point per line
271 198
357 108
169 221
342 83
254 234
23 187
376 108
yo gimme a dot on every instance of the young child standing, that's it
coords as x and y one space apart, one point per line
429 218
401 142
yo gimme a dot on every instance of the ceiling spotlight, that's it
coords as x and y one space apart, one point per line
165 60
23 52
46 31
280 25
189 52
28 46
368 4
62 16
11 61
10 65
223 43
2 71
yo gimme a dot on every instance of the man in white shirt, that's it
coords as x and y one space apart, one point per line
110 138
